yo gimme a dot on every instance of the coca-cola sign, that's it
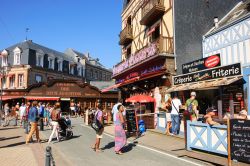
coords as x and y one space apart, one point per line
138 57
201 64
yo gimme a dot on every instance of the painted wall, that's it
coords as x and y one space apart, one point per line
194 18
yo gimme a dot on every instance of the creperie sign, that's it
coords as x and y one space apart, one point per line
136 58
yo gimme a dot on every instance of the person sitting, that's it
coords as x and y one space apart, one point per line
242 114
209 117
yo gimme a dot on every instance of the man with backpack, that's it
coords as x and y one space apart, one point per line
191 112
176 103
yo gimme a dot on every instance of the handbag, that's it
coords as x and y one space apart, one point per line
96 125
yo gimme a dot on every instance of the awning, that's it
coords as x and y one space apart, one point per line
42 98
4 98
110 87
203 85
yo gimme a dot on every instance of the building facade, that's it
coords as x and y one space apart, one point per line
231 39
93 69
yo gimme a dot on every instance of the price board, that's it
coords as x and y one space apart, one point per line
131 120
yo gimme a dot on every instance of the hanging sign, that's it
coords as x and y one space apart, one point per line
209 74
201 64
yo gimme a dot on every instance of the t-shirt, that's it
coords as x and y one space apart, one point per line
99 115
176 103
194 103
115 110
22 111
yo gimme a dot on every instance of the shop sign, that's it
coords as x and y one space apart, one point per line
209 74
201 64
136 58
141 73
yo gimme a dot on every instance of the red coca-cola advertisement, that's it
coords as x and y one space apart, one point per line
202 64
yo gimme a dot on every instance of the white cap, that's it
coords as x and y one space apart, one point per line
193 94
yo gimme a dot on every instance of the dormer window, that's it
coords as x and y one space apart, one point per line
4 56
59 62
39 59
17 56
71 68
79 71
51 62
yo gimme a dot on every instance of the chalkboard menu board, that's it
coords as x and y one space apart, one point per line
131 120
240 140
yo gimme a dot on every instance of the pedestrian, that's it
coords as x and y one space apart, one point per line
176 103
17 113
99 120
115 109
22 114
55 116
6 114
168 115
27 124
191 112
120 135
33 118
41 115
46 114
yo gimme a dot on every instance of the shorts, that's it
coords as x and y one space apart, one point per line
99 133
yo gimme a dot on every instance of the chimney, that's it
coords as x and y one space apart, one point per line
216 20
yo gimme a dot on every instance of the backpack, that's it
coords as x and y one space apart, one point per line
190 107
96 125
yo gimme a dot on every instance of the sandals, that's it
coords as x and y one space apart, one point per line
119 153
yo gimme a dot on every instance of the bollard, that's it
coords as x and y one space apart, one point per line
48 156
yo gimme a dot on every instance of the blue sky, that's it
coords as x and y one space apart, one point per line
85 25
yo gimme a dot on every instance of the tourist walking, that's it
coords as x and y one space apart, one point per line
176 103
26 121
55 116
99 120
33 118
6 114
41 115
115 109
22 114
191 112
120 135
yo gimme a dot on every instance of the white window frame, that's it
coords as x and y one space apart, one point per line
17 56
39 56
60 64
12 81
4 82
20 80
51 62
4 58
79 68
71 68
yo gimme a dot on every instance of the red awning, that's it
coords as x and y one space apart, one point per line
140 99
4 98
42 98
130 81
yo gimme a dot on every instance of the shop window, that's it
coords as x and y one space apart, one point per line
38 78
12 81
20 80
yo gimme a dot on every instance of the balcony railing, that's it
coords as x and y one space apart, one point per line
126 35
160 47
152 10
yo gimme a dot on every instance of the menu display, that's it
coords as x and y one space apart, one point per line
240 140
131 120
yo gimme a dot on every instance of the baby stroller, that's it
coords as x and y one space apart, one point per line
65 129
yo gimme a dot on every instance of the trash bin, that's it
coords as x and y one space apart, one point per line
141 127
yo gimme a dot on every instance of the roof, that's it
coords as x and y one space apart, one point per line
102 84
28 44
240 12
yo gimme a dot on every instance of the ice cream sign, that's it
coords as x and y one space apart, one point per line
209 74
201 64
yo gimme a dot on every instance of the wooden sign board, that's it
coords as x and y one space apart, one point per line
240 140
131 120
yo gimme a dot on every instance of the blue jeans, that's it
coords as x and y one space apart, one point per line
175 123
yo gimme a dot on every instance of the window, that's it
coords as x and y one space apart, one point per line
79 71
96 74
20 80
12 81
51 63
38 78
4 61
4 82
59 65
39 60
91 73
155 34
128 54
17 56
71 69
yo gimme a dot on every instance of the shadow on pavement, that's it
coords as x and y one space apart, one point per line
178 149
129 147
11 145
7 138
7 128
109 146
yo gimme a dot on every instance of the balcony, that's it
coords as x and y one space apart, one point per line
152 10
161 47
126 35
